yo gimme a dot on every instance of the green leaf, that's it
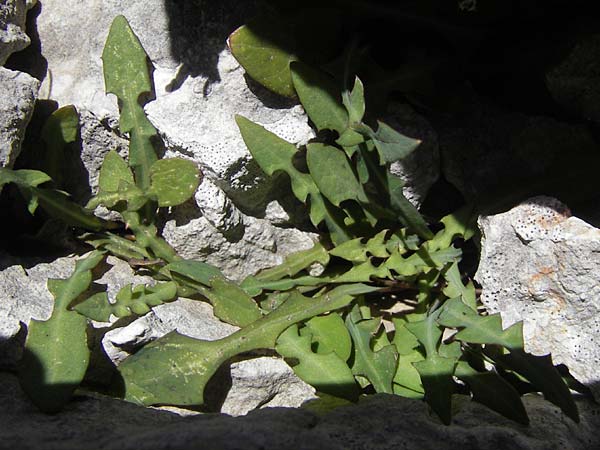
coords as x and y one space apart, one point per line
126 75
493 391
456 288
231 303
129 300
462 223
56 354
113 173
320 98
254 287
198 271
478 329
327 372
59 205
273 154
175 369
333 175
436 376
355 102
60 129
540 371
173 181
356 251
391 145
331 335
408 213
295 263
264 53
378 367
23 178
435 370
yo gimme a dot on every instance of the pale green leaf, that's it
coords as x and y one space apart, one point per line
331 335
129 300
175 369
173 181
126 75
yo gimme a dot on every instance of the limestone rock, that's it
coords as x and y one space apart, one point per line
24 296
381 422
18 92
12 27
199 88
541 266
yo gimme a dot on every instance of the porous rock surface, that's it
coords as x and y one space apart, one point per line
12 27
540 265
378 423
18 92
199 89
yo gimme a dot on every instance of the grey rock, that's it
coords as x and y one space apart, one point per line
541 266
421 169
575 81
378 423
12 27
18 92
24 296
199 89
260 246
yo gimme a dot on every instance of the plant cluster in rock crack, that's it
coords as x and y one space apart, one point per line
388 313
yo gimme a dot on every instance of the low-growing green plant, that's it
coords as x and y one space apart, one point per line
389 311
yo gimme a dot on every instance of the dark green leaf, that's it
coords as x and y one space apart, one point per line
320 97
493 391
264 52
56 353
327 372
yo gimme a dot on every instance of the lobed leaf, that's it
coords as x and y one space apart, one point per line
56 353
327 372
391 145
478 329
126 75
378 367
493 391
540 371
175 369
129 300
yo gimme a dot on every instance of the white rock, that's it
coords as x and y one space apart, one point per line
18 92
199 89
541 266
13 38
